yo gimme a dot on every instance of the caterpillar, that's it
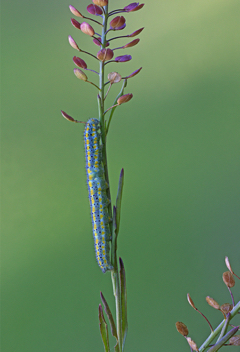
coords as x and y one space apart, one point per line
97 186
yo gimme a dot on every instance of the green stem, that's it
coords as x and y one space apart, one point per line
114 273
214 334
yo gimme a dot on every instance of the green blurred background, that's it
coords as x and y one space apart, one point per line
178 141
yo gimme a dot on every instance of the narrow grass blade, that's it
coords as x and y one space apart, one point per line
103 329
123 290
109 315
119 199
114 239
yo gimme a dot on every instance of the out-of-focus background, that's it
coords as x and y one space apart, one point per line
178 141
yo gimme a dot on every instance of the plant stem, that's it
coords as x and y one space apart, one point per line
214 334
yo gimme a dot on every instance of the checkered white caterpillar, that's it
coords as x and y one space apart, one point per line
97 194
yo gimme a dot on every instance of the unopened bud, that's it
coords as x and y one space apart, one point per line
228 279
136 32
212 302
75 11
226 308
87 29
100 2
123 58
66 116
75 23
134 73
182 328
190 301
235 340
192 344
79 62
114 77
124 98
73 43
94 10
133 43
80 74
133 7
117 22
98 41
105 54
228 264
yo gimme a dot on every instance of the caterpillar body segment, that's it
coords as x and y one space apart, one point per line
97 187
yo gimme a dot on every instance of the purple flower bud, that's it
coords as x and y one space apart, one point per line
87 29
79 62
75 11
124 98
134 42
98 42
73 43
75 23
136 32
123 58
133 7
134 73
105 54
117 22
94 10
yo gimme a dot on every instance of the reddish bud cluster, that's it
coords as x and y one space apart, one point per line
105 54
94 10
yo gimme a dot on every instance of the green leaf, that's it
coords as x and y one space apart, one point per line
114 239
110 317
123 290
119 199
103 329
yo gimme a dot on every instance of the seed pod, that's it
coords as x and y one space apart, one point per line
124 98
123 58
226 308
100 2
114 77
192 344
235 340
87 29
75 11
133 43
228 279
228 264
133 7
117 22
212 302
134 73
75 23
98 42
105 54
190 301
73 43
136 32
94 10
182 328
79 62
80 74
